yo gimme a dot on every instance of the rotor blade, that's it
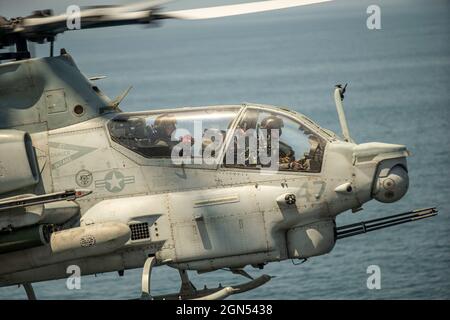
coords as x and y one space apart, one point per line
45 28
237 9
92 17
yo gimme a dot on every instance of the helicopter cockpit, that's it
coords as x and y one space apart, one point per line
297 147
243 138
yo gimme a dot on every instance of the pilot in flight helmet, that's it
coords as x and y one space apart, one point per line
165 124
272 122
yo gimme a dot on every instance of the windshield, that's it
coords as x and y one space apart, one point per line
270 139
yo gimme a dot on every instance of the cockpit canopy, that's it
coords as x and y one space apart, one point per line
241 137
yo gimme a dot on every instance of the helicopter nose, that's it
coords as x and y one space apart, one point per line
391 187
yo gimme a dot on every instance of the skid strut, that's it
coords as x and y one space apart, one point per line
189 291
187 288
146 278
29 291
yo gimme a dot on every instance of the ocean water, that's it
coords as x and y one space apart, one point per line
399 92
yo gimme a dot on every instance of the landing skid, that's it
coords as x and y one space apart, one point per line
188 290
29 291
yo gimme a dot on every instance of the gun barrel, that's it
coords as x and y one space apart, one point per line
385 222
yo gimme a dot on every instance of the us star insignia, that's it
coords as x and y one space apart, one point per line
114 181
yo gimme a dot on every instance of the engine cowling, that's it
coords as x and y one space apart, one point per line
18 165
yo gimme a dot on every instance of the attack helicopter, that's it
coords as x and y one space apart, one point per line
201 188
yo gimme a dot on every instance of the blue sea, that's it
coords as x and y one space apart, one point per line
398 92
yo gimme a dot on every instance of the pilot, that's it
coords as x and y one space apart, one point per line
250 120
313 158
286 153
272 123
212 136
162 130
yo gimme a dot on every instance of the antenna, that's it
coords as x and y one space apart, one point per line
338 98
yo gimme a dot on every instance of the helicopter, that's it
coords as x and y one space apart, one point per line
197 189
